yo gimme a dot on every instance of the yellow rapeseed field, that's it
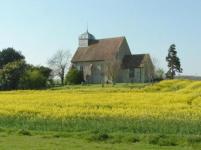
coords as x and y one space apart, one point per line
176 101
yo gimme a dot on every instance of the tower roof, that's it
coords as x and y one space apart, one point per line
87 35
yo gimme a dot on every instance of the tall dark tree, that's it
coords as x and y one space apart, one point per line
174 64
9 55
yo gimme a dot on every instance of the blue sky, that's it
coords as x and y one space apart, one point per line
38 28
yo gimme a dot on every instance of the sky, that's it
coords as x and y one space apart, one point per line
38 28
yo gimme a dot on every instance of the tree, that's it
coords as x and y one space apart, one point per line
174 64
59 63
10 75
113 67
47 73
35 77
74 76
159 74
9 55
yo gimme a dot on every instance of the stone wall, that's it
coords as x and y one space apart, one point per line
123 50
148 69
93 71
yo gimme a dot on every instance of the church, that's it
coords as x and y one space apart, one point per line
110 60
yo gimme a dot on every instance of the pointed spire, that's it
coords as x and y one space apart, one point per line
87 27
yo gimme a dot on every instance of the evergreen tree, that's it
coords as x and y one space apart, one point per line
174 64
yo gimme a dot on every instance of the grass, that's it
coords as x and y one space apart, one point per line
11 139
20 142
141 116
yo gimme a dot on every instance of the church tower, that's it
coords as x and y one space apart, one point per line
86 39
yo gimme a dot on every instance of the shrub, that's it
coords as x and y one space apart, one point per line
167 142
24 132
194 139
74 76
133 139
99 137
162 140
159 75
103 137
32 79
153 139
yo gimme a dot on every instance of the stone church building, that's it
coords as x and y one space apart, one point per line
110 59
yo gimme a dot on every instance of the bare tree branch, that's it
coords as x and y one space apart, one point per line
60 63
113 67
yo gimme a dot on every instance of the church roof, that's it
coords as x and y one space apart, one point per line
103 49
134 61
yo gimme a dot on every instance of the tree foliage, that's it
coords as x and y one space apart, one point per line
15 73
9 55
74 76
174 64
35 78
10 74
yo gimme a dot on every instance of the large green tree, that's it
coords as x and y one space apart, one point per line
15 73
174 64
11 74
9 55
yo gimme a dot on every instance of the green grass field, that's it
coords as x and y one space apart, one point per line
165 115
